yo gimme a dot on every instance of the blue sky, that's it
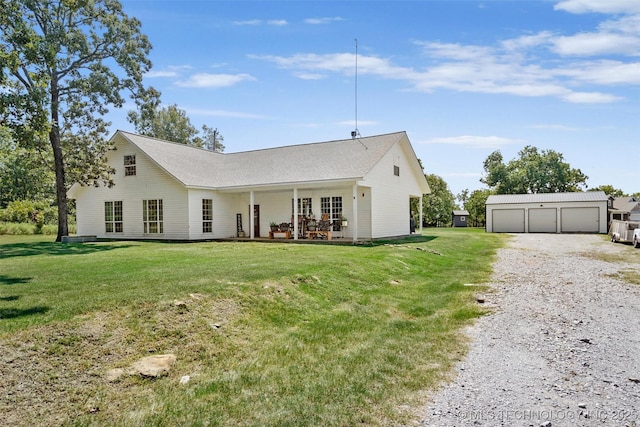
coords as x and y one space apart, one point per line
462 77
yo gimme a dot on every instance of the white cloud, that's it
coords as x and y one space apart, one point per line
255 22
278 22
627 24
310 76
456 51
171 71
604 72
180 67
248 22
526 42
601 6
320 21
590 98
154 74
532 65
492 142
590 44
340 63
206 80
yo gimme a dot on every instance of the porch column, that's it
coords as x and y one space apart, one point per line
295 214
355 212
421 208
251 215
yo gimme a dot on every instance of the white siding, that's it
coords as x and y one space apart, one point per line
276 205
382 199
150 182
224 214
390 194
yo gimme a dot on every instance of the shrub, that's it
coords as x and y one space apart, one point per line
16 228
28 211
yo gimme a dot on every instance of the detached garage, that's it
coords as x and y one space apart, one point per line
547 213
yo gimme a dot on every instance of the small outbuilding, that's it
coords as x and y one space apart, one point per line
459 218
579 212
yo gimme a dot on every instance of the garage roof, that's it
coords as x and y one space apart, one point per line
588 196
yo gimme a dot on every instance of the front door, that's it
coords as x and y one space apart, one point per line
256 220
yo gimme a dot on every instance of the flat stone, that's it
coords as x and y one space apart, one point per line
154 366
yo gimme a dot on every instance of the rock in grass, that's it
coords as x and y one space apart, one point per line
154 366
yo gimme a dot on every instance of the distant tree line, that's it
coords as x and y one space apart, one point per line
533 171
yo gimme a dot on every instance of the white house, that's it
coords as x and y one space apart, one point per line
580 212
624 209
173 191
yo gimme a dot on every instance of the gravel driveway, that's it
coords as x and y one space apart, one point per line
562 347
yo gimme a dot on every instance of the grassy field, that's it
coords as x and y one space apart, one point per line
270 334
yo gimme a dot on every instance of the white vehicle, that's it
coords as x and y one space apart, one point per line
623 231
636 238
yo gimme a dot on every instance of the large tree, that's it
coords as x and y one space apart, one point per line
172 124
609 190
475 204
439 204
532 172
63 63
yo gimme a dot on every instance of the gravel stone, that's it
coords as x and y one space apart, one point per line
561 347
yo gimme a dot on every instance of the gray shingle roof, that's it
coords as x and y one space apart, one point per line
587 196
314 162
625 204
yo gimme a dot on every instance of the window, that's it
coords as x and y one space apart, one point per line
304 207
113 217
332 206
130 165
396 170
207 215
152 216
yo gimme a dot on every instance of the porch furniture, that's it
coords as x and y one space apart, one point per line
280 234
319 234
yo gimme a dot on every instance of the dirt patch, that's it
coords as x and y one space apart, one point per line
54 374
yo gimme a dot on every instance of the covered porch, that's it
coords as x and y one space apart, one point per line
341 211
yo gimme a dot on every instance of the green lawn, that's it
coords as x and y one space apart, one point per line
271 334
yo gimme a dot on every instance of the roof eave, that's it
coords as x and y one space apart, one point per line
291 185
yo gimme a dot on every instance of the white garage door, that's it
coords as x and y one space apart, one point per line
542 220
580 220
508 220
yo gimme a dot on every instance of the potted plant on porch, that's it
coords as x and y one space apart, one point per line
273 225
311 225
344 221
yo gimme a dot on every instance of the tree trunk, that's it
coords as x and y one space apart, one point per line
56 145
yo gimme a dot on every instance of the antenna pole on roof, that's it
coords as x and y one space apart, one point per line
356 132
